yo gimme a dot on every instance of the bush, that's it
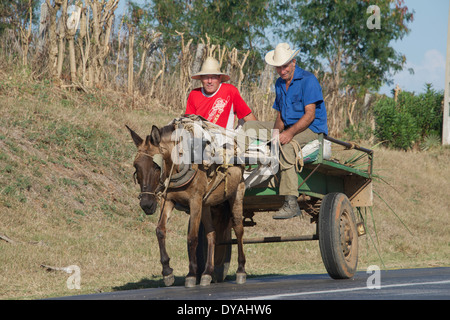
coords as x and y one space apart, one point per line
410 119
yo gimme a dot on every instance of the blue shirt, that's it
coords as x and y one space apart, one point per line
304 89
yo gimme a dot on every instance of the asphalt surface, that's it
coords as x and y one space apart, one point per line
405 284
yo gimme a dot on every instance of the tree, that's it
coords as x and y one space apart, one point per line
234 23
14 14
334 36
226 24
18 16
170 16
410 119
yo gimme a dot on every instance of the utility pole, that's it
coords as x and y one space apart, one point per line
446 122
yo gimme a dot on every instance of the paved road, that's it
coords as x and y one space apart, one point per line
406 284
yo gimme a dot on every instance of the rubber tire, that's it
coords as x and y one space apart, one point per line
338 237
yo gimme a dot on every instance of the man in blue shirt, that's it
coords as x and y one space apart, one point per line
301 116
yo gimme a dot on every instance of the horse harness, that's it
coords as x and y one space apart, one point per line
186 173
177 180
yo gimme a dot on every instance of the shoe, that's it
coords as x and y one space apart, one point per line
290 209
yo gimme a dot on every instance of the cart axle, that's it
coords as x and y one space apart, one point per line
273 239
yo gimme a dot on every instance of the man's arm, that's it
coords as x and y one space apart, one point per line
250 117
190 106
278 125
301 125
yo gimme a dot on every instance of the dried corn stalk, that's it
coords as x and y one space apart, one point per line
185 66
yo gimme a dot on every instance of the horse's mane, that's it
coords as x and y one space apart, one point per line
167 130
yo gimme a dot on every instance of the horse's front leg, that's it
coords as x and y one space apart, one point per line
167 271
195 207
211 238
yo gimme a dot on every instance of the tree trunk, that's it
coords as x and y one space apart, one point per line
43 26
62 38
198 58
25 36
130 60
53 50
73 66
72 26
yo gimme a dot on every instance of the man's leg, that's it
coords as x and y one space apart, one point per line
254 130
288 175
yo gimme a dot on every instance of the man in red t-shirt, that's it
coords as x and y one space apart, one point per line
216 101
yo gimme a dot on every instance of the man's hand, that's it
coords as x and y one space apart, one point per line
301 125
286 136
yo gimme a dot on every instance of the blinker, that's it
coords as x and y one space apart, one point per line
158 160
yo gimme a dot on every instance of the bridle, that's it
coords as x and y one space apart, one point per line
183 177
158 160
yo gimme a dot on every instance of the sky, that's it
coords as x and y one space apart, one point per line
425 47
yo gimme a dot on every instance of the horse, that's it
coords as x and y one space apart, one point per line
201 189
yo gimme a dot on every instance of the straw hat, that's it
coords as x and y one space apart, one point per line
210 66
281 55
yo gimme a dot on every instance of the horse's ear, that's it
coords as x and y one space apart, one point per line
155 136
137 140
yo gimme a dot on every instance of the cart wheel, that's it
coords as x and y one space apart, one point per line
338 237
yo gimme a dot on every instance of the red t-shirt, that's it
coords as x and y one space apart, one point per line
220 107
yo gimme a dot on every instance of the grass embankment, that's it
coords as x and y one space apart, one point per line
67 197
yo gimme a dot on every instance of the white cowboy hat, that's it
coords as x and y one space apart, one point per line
210 66
281 55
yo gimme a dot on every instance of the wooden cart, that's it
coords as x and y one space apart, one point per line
330 192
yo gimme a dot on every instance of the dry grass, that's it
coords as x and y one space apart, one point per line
420 197
67 198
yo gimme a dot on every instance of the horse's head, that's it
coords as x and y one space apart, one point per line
150 167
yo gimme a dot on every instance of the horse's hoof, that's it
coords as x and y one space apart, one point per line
241 278
206 280
169 280
190 282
